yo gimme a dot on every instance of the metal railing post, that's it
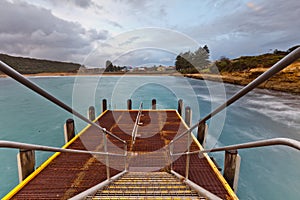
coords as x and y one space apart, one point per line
171 148
125 158
136 124
188 121
187 164
106 155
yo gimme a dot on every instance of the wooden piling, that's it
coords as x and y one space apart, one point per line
232 168
202 133
180 106
153 104
104 105
129 104
26 163
69 130
188 116
91 113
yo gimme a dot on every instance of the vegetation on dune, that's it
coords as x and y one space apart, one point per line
34 66
245 69
246 63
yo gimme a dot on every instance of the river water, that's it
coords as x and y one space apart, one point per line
266 173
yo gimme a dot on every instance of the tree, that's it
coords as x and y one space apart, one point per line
182 62
109 66
292 48
279 52
206 48
200 58
113 68
193 62
224 64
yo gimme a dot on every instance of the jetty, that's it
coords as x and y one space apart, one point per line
147 168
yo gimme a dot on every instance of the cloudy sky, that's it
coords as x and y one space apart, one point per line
137 31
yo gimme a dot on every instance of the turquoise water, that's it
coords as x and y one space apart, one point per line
266 173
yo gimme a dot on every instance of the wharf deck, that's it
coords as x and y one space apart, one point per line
67 174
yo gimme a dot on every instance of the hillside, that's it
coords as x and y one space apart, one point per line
34 66
243 70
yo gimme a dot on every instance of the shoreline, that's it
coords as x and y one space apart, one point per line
279 82
103 74
283 82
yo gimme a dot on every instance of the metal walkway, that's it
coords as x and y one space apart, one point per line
66 175
149 185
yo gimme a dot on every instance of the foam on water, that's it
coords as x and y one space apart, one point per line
283 108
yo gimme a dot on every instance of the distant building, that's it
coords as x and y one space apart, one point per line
161 69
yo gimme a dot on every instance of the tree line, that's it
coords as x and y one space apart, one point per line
34 66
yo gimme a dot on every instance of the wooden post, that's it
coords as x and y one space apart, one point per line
69 130
26 162
129 104
153 104
180 106
91 113
232 168
202 133
104 105
188 116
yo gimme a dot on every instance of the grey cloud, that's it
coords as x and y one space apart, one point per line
96 35
251 28
82 3
136 4
129 41
151 9
115 24
78 3
31 31
143 46
145 57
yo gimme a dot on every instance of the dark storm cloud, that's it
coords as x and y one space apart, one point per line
31 31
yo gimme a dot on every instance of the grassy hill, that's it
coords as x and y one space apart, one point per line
246 63
34 66
245 69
